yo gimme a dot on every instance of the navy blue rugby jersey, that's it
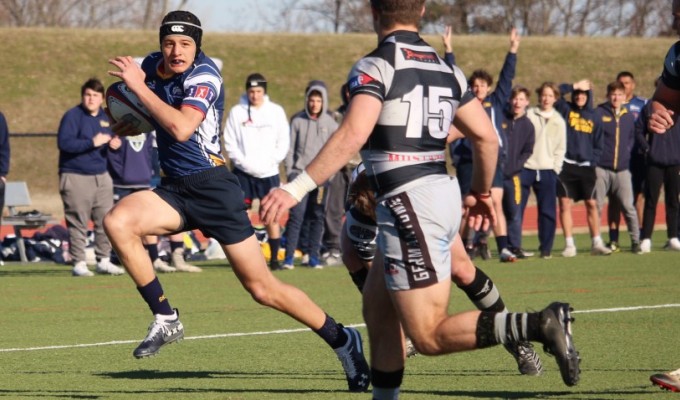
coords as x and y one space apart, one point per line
420 95
671 68
199 87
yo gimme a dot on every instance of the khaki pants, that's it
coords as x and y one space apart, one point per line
85 198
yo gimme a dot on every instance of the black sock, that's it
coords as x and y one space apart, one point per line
359 278
386 384
274 245
176 245
332 333
483 293
152 293
613 235
501 242
152 249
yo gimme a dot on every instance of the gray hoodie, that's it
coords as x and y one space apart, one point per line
308 134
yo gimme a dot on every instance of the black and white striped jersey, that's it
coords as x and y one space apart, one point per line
420 95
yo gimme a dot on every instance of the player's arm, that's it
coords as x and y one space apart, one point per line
181 124
474 123
346 141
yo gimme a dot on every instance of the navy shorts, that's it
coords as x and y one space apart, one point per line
210 201
577 182
255 188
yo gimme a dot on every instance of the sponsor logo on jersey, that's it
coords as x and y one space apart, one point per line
420 56
360 80
202 92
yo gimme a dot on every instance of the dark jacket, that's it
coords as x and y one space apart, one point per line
584 136
520 138
495 106
130 164
77 153
619 137
660 149
4 146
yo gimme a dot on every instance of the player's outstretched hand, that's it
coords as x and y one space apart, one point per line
128 71
275 204
479 212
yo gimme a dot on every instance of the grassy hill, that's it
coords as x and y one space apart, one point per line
44 69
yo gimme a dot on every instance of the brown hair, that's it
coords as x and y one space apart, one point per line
520 89
92 84
393 12
616 85
551 85
480 74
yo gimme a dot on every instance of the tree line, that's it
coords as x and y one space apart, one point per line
640 18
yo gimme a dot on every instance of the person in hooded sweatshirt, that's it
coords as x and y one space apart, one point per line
257 138
585 140
309 131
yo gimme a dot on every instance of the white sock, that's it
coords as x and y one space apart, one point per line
570 241
597 240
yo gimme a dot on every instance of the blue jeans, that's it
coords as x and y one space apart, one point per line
310 209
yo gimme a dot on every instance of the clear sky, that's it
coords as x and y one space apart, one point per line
234 15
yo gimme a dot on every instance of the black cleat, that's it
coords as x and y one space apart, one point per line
160 334
351 355
555 325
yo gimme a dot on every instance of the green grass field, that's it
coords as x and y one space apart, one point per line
63 337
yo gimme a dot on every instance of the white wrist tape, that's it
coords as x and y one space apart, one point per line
300 186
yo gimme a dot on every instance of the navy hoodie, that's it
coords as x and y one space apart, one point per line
619 137
520 138
584 136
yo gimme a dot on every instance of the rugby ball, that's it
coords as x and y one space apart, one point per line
123 105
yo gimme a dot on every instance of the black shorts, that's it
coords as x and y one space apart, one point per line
576 182
638 172
255 188
210 201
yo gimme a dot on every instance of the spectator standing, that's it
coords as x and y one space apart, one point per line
495 104
520 138
545 164
309 131
85 186
4 161
257 139
634 104
663 167
577 179
613 175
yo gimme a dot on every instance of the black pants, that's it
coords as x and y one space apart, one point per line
667 176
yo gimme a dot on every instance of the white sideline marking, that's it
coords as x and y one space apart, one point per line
283 331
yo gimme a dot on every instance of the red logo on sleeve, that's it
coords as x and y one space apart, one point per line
202 92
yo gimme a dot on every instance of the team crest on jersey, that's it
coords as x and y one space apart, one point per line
360 80
428 57
104 123
137 142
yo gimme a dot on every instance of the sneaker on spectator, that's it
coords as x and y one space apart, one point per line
672 244
483 249
506 256
332 258
546 255
646 246
635 248
305 259
177 260
105 266
286 266
569 251
614 246
274 264
161 266
599 249
314 263
80 269
521 253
